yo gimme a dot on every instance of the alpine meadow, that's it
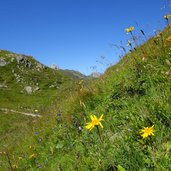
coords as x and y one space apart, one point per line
54 119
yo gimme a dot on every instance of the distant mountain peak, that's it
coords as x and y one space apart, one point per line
95 74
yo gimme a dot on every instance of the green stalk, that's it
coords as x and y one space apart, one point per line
98 131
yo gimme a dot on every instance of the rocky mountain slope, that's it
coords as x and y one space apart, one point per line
26 83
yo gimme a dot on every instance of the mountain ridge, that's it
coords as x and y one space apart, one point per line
23 74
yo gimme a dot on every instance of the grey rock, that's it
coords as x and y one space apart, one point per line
28 64
18 76
96 74
39 66
51 86
19 59
18 80
3 62
36 89
54 66
23 60
28 89
3 85
12 59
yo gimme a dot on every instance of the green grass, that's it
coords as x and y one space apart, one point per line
14 96
11 124
133 94
16 128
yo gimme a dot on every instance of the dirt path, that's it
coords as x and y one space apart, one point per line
23 113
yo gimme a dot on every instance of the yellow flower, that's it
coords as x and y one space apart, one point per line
94 122
147 131
130 29
32 156
167 16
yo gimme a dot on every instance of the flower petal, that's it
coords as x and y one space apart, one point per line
100 124
91 116
101 118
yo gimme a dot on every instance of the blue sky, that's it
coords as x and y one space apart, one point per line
74 34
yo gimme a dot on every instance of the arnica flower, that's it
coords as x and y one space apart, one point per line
94 122
130 29
147 131
167 16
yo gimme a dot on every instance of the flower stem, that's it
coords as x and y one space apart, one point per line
98 131
134 39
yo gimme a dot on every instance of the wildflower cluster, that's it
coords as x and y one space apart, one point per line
145 132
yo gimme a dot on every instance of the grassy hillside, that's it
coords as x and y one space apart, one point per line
23 72
30 87
131 97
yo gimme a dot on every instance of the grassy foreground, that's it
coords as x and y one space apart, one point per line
132 96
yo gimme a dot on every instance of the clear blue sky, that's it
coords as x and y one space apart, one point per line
74 34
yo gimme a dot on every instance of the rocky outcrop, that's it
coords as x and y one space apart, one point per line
54 66
3 62
3 84
30 89
23 60
39 66
36 89
95 74
19 59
